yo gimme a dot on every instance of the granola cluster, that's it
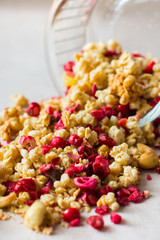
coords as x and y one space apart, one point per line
65 154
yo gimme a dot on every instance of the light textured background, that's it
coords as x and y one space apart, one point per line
23 69
22 57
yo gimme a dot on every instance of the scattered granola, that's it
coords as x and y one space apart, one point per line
66 154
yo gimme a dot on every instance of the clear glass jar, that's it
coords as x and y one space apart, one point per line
72 23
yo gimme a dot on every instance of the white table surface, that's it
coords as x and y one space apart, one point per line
23 70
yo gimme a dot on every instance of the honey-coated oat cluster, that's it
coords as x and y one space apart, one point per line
65 154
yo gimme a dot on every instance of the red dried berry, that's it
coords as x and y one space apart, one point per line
122 122
158 170
71 214
59 125
101 168
111 53
136 197
58 142
45 167
44 190
96 222
27 183
92 199
133 188
10 185
29 202
136 55
88 168
84 198
33 195
27 141
94 89
103 209
108 111
74 170
104 139
81 149
149 177
67 90
123 201
123 109
74 139
149 68
68 67
33 110
86 183
115 218
97 114
92 157
50 110
45 149
75 222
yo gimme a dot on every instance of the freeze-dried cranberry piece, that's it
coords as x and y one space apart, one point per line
149 177
158 170
101 192
149 68
10 185
45 149
123 109
108 111
75 222
81 149
74 170
92 157
115 218
136 197
45 167
33 110
96 222
59 125
122 122
104 139
97 114
68 67
43 190
74 157
25 185
74 139
101 168
58 142
33 195
94 89
86 183
111 53
88 168
133 188
92 199
29 202
69 109
27 141
84 198
67 90
56 115
50 110
123 201
136 55
71 214
103 209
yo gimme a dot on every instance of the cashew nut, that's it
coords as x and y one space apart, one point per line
35 215
7 200
149 158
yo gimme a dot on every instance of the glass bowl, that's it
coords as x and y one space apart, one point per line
72 23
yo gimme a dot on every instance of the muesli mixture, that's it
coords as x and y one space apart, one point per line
65 154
